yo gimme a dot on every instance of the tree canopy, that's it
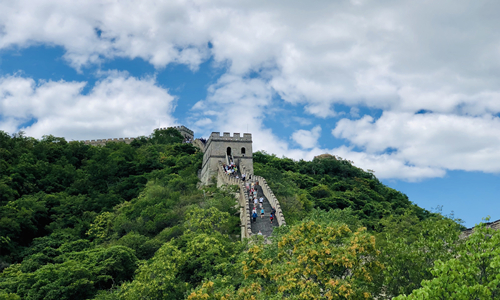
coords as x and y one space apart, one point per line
129 221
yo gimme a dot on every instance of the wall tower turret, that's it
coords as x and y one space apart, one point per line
218 147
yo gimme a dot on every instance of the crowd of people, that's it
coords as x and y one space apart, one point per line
258 202
232 170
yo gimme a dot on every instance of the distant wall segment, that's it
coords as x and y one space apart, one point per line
185 132
103 142
494 225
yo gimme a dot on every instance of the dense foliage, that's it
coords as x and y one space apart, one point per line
129 222
329 182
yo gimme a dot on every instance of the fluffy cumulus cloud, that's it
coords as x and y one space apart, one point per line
307 138
402 57
117 106
443 141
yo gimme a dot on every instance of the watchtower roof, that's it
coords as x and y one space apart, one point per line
226 136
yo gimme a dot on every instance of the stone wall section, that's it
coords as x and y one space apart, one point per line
216 150
494 225
271 198
223 178
185 132
199 144
103 142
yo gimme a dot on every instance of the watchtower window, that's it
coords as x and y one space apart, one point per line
243 150
228 151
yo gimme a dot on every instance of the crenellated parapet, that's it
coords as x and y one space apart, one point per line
271 198
103 142
226 136
218 147
185 132
245 221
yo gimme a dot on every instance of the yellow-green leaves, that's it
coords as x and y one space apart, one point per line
315 261
207 220
473 272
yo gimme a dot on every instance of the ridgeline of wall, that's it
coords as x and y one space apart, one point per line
223 178
102 142
185 132
495 225
200 145
271 198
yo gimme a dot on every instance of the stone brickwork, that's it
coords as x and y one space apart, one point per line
103 142
200 145
219 146
495 225
223 178
268 193
185 132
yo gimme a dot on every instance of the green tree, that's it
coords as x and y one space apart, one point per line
473 272
410 248
316 259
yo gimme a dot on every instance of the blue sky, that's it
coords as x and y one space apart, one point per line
408 90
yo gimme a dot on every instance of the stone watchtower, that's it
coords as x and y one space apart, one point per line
219 147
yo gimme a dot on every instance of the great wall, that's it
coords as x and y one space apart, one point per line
220 149
185 132
216 151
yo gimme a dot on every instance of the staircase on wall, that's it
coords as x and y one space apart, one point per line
246 203
263 224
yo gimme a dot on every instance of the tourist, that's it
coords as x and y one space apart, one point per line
260 233
254 216
261 200
261 212
255 201
271 217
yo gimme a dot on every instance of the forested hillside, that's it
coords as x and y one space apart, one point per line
128 222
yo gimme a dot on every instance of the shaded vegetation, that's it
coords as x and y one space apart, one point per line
128 222
329 182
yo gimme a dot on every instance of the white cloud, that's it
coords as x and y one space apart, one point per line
354 112
429 140
117 106
399 56
307 139
249 109
391 55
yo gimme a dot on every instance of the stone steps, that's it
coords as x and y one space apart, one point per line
263 224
